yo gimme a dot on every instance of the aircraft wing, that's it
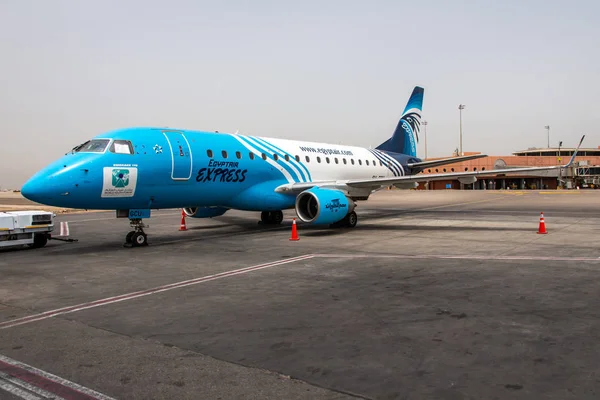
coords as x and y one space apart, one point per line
375 183
442 177
444 161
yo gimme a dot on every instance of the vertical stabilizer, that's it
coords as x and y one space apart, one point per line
406 136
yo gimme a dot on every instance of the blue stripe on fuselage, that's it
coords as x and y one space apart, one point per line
293 161
295 174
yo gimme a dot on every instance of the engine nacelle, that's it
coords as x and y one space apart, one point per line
204 212
323 206
467 180
406 185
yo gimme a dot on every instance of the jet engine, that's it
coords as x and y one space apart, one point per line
204 212
323 206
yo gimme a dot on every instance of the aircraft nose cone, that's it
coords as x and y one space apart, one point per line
34 190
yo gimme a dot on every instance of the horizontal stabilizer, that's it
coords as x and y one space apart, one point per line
444 161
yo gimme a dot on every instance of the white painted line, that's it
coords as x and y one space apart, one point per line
16 391
54 380
147 292
29 387
458 257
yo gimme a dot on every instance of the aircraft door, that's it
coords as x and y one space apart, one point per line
181 155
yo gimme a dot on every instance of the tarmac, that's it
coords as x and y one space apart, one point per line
445 294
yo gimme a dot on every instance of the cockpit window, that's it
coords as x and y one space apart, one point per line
121 147
92 146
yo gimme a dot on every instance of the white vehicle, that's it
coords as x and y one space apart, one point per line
30 228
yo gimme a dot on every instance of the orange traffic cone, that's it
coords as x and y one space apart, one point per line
182 227
542 230
294 231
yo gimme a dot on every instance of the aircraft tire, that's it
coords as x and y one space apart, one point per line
271 217
129 237
276 217
351 220
139 239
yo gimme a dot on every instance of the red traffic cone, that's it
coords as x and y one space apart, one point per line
542 230
182 227
294 231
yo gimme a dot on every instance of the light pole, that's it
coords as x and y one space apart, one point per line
547 127
460 108
560 169
425 133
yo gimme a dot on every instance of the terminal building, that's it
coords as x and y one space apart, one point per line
585 172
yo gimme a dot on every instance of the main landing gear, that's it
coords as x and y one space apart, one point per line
349 221
137 237
271 217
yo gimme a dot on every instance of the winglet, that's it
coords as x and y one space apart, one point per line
572 160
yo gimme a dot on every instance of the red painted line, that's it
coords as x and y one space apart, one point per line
56 388
129 296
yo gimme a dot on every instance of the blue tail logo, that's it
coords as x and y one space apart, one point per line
406 136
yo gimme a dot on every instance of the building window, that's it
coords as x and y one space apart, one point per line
224 154
209 153
238 155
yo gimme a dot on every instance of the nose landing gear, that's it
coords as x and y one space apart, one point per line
137 237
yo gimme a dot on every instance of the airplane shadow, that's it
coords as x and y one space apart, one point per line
409 228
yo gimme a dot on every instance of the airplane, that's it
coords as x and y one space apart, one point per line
136 170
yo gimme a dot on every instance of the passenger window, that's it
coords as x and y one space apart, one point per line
381 163
318 159
275 157
224 154
367 162
121 147
359 162
298 158
336 160
352 161
374 163
344 160
251 155
238 155
287 158
209 153
327 159
307 159
264 156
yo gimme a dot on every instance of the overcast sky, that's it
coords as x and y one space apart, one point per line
335 71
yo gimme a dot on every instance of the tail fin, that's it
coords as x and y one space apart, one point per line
406 135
